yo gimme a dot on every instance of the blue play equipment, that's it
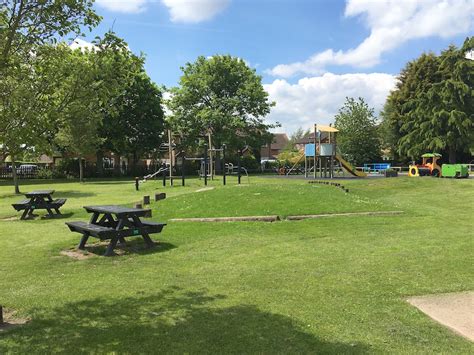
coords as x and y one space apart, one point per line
376 167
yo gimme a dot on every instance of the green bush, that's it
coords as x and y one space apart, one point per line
45 173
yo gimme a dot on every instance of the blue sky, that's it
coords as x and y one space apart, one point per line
311 54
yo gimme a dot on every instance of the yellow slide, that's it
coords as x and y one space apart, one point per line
349 168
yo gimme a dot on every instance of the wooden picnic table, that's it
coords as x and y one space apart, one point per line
115 223
39 199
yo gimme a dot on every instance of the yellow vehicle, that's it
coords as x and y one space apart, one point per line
428 166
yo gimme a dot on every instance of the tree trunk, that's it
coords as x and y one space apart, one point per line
134 163
81 170
258 156
117 167
100 163
452 155
15 177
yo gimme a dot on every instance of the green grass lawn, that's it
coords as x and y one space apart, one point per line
333 285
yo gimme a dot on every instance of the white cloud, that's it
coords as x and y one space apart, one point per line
80 43
126 6
194 11
317 99
391 23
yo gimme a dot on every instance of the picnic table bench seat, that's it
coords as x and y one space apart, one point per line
58 202
94 230
153 227
21 205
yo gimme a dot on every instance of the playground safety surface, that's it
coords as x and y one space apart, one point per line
453 310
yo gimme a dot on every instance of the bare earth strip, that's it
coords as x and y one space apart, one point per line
454 310
310 216
229 219
277 218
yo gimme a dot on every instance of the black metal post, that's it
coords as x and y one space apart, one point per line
223 165
137 183
183 159
164 178
238 166
205 165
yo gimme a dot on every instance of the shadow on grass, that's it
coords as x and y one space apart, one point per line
131 247
72 194
171 321
58 216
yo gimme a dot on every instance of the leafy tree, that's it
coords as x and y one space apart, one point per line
297 135
358 137
98 77
220 95
432 107
28 68
137 128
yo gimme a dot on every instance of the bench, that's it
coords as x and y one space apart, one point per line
93 230
153 227
58 202
19 206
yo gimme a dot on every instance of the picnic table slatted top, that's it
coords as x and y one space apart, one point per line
37 193
117 210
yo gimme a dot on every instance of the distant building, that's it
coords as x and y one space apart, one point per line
271 151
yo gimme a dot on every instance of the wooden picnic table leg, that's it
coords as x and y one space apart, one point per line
113 242
94 218
82 244
146 237
44 202
111 246
25 212
50 213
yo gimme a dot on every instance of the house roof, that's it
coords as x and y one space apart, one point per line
280 140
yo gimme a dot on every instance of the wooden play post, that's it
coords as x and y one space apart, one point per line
314 168
238 166
205 165
223 165
183 159
170 153
211 167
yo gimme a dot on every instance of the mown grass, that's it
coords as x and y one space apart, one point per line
334 285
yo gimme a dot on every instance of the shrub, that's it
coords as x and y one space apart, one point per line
45 173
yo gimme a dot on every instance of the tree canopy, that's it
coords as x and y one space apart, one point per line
29 72
432 107
137 128
220 95
97 80
358 137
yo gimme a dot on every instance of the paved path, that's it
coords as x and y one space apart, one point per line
453 310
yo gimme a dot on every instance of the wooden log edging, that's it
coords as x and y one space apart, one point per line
324 215
229 219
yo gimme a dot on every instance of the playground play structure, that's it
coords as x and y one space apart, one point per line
207 163
430 167
321 157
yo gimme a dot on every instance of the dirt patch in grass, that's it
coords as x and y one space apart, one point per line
205 189
77 254
453 310
11 320
10 218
